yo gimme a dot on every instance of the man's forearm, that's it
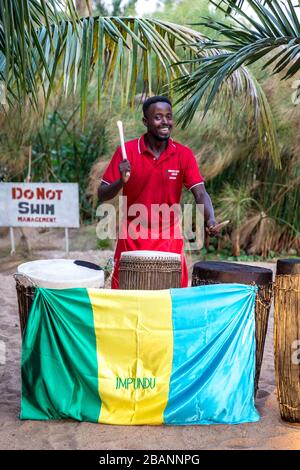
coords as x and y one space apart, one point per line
109 191
202 197
209 213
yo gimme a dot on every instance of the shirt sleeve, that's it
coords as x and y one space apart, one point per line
112 172
192 175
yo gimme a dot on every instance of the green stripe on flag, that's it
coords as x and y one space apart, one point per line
62 381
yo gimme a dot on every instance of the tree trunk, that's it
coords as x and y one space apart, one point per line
236 249
84 7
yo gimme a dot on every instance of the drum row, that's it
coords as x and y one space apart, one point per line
286 290
160 270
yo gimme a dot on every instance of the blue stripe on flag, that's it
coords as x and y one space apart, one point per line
213 369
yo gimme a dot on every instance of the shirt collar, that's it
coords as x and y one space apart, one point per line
171 148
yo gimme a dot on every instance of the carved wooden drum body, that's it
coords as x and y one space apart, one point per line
287 338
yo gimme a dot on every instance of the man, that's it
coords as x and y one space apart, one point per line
156 169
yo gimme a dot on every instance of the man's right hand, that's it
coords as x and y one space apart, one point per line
125 170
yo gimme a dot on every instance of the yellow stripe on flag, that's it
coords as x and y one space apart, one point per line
134 342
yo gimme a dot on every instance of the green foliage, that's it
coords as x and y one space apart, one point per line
100 8
234 203
270 31
226 144
63 152
45 46
117 8
104 244
225 255
17 129
189 13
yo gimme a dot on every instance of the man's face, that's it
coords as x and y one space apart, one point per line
159 120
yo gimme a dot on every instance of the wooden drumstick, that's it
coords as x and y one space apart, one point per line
221 224
120 127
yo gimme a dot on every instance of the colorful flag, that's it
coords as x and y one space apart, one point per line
179 356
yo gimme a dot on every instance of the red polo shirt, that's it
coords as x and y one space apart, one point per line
153 181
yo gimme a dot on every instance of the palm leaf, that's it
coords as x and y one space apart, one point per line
231 5
274 29
44 46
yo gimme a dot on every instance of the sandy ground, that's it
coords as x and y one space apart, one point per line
269 433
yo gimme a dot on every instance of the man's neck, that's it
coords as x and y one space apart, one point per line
154 145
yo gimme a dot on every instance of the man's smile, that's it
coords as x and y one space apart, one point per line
164 130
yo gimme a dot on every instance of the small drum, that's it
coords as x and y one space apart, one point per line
287 338
149 270
53 274
218 272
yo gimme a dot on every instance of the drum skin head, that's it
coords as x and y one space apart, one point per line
62 273
288 266
222 271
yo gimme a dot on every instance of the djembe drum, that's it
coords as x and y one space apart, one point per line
218 272
149 270
53 274
287 338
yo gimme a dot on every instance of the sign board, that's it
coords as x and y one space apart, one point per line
39 205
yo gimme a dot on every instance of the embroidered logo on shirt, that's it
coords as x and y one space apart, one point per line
173 174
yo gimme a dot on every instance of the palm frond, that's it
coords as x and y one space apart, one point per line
205 84
25 27
45 46
275 26
231 5
219 66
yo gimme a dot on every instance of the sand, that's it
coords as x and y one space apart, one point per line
269 433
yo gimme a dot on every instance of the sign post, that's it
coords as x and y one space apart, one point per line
39 205
12 241
67 240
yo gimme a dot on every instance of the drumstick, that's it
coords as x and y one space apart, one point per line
120 127
221 224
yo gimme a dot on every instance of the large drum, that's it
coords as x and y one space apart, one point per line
53 274
149 270
287 338
218 272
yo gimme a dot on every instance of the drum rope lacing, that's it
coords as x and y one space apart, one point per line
156 264
260 299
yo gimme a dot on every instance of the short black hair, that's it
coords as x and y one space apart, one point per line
152 100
